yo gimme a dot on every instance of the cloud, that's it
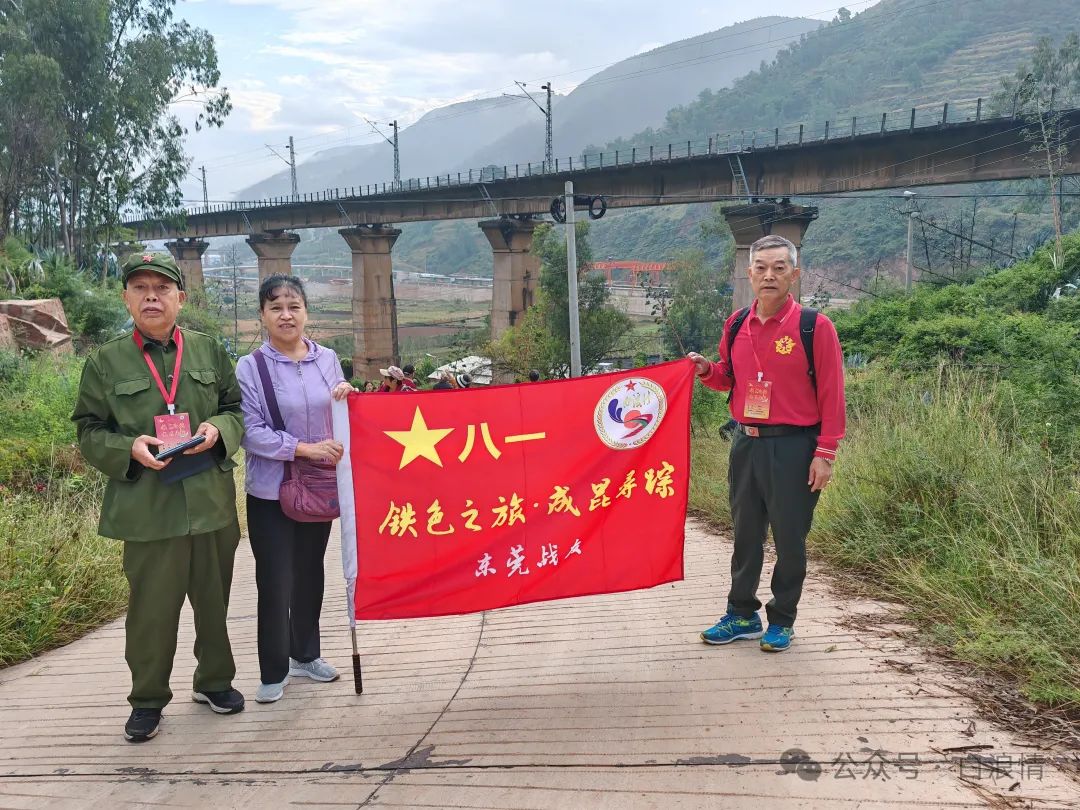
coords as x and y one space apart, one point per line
318 68
260 106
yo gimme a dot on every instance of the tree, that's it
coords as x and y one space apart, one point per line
691 312
1031 92
541 339
114 72
30 125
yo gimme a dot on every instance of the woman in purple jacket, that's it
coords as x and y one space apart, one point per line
288 554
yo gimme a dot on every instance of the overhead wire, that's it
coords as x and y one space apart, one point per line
857 20
483 94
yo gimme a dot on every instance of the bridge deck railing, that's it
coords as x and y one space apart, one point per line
842 127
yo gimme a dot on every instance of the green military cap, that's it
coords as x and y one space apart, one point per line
162 263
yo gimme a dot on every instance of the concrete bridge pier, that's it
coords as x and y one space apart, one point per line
273 250
122 250
188 253
749 223
374 308
516 270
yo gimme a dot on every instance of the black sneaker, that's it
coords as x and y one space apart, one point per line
228 702
142 725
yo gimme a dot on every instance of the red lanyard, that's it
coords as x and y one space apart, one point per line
170 395
753 346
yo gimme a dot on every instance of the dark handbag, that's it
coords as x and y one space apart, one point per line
308 491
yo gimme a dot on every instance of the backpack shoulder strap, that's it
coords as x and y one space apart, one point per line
733 330
807 324
268 390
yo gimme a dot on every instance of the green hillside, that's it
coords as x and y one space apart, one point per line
898 54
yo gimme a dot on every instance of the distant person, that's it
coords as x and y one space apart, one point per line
303 377
141 392
464 380
395 381
444 383
789 426
370 387
534 375
410 375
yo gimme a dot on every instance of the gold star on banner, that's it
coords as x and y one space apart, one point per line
419 441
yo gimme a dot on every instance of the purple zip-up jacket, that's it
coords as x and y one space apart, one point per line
303 390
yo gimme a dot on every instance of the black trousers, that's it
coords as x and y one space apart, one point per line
767 484
289 575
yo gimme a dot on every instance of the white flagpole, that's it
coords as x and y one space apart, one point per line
340 410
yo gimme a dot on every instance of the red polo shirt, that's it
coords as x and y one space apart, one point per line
776 344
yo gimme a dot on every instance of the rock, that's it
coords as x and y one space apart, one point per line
37 325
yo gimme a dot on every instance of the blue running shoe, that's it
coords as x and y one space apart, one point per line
731 628
777 638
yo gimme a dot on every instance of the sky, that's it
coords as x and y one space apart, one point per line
316 69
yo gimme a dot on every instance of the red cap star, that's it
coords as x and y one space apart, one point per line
630 386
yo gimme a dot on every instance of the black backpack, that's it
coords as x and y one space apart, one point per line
807 324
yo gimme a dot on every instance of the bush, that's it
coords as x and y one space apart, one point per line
94 313
976 529
939 504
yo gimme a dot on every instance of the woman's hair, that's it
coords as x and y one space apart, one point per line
280 284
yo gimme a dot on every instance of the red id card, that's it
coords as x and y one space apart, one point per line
758 398
172 429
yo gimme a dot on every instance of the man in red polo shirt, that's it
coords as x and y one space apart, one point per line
782 454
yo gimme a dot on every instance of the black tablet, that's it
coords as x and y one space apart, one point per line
176 450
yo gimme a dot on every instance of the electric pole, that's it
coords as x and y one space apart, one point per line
909 195
549 151
394 143
397 158
292 168
205 196
290 162
571 280
235 305
549 155
910 228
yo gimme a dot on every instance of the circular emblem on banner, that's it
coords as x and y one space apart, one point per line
629 413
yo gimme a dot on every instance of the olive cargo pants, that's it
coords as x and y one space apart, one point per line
160 574
767 482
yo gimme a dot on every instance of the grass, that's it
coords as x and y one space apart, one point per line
58 578
936 505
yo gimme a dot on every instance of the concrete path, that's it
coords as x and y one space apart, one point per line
601 702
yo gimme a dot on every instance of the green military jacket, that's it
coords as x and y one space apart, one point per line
117 403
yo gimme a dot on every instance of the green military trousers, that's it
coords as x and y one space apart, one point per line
160 574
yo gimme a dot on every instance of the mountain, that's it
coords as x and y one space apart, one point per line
897 54
893 56
622 98
441 138
638 92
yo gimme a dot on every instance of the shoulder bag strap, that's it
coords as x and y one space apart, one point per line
271 402
268 391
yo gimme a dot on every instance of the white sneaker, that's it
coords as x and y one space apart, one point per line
317 670
270 692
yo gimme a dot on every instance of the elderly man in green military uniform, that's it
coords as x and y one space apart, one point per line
141 394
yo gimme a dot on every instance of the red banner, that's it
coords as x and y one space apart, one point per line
468 500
